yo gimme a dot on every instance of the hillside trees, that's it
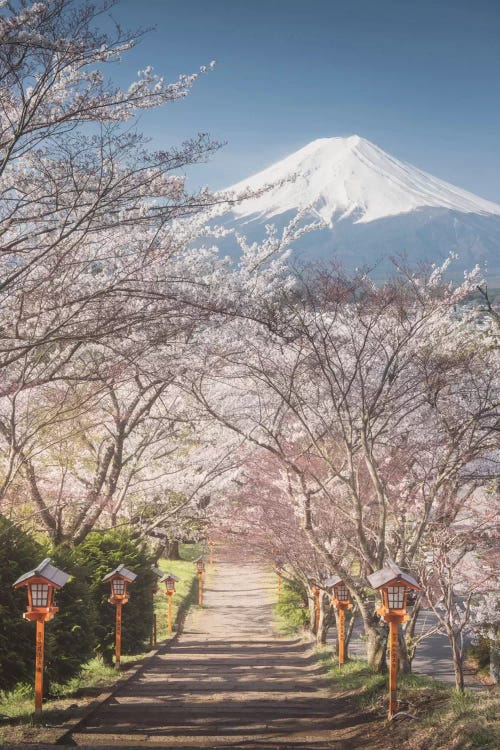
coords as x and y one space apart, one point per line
374 403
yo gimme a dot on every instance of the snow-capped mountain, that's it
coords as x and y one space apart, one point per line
373 205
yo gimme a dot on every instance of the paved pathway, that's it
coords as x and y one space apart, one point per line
230 682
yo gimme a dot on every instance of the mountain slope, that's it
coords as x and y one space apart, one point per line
373 205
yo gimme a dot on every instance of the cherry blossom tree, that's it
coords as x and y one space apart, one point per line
374 400
459 568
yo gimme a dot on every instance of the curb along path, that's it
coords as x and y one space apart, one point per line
228 681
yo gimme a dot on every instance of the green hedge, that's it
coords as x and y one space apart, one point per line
70 638
85 623
100 553
292 607
18 553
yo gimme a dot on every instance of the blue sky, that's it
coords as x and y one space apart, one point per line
420 78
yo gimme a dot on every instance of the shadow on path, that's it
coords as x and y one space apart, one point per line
229 682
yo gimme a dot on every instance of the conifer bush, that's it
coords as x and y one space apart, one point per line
18 554
100 553
70 638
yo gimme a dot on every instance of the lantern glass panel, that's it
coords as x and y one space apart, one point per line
342 593
118 585
396 597
200 565
39 594
170 585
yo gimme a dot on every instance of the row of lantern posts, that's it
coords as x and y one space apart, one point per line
45 580
393 585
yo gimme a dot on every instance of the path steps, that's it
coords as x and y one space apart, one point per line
229 682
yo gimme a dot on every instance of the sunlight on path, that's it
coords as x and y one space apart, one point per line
229 682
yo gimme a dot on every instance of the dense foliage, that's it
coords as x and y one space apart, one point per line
101 553
18 551
85 623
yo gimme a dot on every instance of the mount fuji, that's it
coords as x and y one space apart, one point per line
373 207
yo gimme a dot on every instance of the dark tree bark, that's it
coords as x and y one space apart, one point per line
172 550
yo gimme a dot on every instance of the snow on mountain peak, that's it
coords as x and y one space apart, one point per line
341 177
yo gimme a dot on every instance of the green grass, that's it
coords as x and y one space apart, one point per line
186 593
354 676
447 719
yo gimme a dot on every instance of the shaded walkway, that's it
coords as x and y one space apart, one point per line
229 682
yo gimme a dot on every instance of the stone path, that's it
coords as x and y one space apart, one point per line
229 682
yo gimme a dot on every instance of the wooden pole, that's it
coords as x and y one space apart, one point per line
393 671
279 586
40 638
169 614
341 636
211 555
118 639
200 588
154 630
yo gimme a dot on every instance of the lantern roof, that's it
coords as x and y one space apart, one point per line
50 573
199 559
169 576
157 571
122 572
390 574
332 581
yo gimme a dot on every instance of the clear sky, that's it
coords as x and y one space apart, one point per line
420 78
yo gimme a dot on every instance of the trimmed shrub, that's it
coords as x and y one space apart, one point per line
292 606
18 554
100 553
70 637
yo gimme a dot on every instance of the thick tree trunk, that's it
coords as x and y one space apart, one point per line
325 620
312 611
375 634
404 660
172 550
349 630
376 646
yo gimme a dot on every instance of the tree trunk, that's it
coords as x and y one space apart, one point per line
404 660
458 666
172 550
376 636
324 620
349 630
495 662
376 646
312 610
158 551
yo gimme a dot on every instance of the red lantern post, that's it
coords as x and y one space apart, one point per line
41 583
394 586
200 569
169 580
341 600
118 579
